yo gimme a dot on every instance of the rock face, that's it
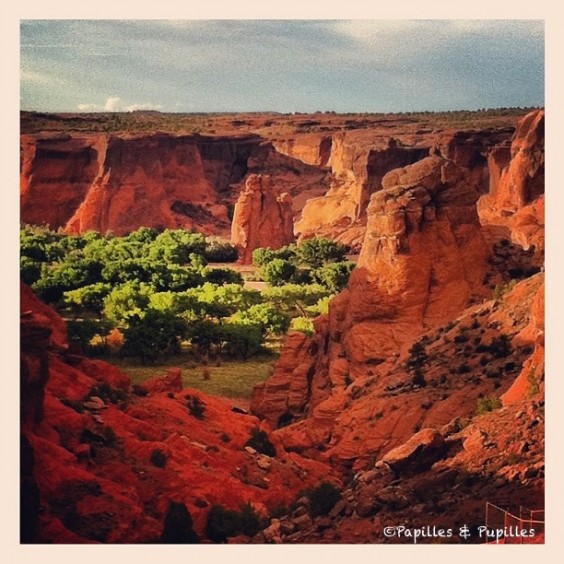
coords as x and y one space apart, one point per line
112 183
102 464
262 218
357 170
422 264
515 203
422 260
415 340
310 149
56 175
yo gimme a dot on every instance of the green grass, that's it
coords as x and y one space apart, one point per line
232 379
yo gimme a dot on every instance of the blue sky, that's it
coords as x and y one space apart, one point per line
280 65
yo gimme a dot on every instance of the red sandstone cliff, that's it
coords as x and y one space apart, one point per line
262 217
118 183
425 272
360 159
515 203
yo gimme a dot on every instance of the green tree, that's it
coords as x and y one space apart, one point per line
278 272
176 246
55 281
294 298
304 325
334 276
205 334
241 340
154 334
266 316
220 251
30 270
88 298
126 301
316 252
221 276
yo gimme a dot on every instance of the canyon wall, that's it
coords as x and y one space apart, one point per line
360 159
117 183
416 325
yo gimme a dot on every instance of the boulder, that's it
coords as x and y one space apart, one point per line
419 453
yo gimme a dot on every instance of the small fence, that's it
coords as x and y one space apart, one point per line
504 527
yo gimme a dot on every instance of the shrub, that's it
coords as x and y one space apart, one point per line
461 338
249 520
158 458
417 358
316 252
418 378
178 526
107 393
221 523
218 251
487 404
533 385
464 368
195 406
500 347
322 498
334 276
278 272
285 419
261 443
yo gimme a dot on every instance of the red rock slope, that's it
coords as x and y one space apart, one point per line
87 443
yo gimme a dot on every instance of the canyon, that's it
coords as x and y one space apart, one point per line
444 310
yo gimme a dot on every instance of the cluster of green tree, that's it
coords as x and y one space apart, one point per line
302 279
316 261
157 289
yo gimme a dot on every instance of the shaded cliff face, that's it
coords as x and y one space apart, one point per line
56 175
262 217
110 183
310 149
88 443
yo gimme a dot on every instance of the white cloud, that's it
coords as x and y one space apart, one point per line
115 104
112 104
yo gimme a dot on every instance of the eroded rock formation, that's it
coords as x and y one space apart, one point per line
414 340
515 203
357 167
262 217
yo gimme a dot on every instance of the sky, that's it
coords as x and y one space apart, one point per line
280 65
